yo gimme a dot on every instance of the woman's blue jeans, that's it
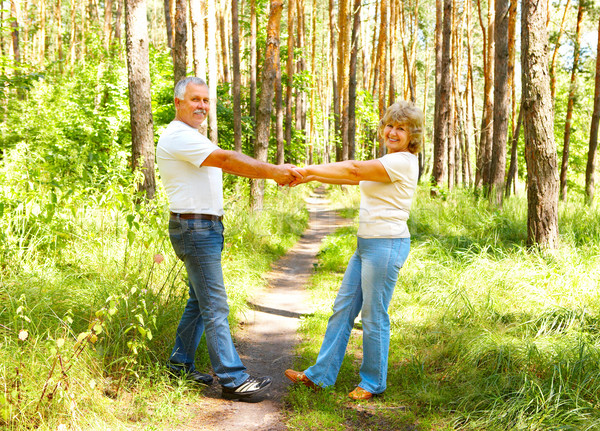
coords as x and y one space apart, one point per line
367 286
199 244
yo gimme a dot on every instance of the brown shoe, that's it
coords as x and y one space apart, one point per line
360 394
300 377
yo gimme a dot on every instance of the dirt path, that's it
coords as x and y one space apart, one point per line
268 335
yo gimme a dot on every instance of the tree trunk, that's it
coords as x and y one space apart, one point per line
268 79
213 70
168 22
591 161
290 75
572 93
253 60
301 67
501 103
107 33
487 127
538 120
343 71
224 31
382 61
440 144
198 39
511 177
180 47
140 104
336 96
279 114
352 85
237 78
15 35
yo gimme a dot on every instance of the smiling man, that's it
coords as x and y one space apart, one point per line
191 169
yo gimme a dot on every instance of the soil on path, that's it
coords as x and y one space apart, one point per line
268 335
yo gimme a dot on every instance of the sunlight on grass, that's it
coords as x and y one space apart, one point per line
486 334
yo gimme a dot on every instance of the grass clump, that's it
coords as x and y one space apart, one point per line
486 333
91 293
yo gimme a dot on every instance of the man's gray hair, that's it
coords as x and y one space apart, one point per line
183 83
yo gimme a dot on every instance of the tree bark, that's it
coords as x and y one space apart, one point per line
253 59
591 161
382 61
440 144
140 104
572 93
336 95
268 79
343 71
198 36
511 177
168 22
538 120
180 47
501 102
213 70
352 85
237 78
290 75
224 31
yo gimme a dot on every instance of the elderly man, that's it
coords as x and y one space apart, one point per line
191 168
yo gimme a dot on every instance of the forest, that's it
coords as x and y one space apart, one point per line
500 321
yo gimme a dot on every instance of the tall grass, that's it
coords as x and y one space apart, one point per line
91 293
486 333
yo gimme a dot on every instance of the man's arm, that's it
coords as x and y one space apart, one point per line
239 164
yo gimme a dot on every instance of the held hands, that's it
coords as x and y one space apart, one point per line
287 175
301 177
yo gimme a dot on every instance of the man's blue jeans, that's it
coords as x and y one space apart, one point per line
368 285
199 244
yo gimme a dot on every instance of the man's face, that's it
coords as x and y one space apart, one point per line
194 106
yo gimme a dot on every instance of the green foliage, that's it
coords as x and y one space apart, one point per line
486 334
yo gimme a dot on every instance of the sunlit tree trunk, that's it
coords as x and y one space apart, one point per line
237 78
343 69
487 126
224 33
572 93
591 161
108 18
501 102
440 144
538 120
140 104
511 177
334 69
197 8
15 24
213 70
253 59
382 61
268 80
169 22
353 82
279 116
300 68
290 75
179 50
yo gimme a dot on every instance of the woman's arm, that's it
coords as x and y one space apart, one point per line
348 172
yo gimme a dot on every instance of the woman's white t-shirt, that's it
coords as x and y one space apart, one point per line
385 207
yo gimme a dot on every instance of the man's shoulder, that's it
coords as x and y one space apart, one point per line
181 133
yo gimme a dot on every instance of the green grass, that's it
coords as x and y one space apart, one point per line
97 312
486 333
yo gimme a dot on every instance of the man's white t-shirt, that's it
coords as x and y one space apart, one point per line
384 207
191 188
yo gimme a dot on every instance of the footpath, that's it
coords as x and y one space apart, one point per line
269 333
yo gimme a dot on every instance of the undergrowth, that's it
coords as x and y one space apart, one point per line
486 333
91 294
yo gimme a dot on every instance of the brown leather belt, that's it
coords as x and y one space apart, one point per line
191 216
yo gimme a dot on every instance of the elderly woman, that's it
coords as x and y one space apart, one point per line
387 186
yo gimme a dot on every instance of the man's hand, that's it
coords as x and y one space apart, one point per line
301 177
286 174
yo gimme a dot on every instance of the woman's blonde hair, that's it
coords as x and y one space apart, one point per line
406 114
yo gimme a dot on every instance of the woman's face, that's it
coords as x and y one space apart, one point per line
396 137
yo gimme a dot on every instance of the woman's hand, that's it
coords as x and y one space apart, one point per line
301 176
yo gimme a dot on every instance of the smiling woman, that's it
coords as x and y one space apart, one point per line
387 186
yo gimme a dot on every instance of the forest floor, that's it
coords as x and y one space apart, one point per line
268 334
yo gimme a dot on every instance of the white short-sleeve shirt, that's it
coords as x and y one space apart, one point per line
385 207
190 187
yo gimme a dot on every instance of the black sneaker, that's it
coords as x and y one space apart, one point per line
193 376
252 386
